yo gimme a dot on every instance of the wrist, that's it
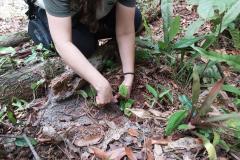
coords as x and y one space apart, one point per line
128 78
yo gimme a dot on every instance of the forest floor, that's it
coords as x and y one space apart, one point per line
77 129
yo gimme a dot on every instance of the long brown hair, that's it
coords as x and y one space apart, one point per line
87 12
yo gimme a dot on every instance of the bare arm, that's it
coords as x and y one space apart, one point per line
125 33
61 31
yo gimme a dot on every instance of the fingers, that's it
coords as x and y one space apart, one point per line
102 101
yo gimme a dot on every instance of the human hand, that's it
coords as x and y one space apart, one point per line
104 94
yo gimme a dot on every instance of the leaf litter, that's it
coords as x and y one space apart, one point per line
109 136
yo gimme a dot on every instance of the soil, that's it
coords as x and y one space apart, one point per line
69 128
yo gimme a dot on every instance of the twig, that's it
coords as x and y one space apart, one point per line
234 156
11 136
36 156
28 142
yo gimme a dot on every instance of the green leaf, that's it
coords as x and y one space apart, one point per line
19 103
224 145
231 89
205 9
35 86
216 138
234 126
196 86
21 142
232 60
209 41
184 127
186 42
32 57
237 102
174 27
152 91
167 12
128 104
164 93
193 2
185 102
123 90
212 155
7 50
206 105
174 121
193 28
162 45
91 92
83 94
235 34
231 15
11 117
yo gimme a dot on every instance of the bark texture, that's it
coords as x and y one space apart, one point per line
14 39
63 82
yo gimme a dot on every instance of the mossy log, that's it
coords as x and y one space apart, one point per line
63 82
14 39
18 83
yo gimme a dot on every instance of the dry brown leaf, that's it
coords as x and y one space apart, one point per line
133 132
161 141
141 113
116 154
88 140
155 112
148 149
130 153
99 153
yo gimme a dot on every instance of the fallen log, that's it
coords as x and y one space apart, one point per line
18 83
14 39
63 82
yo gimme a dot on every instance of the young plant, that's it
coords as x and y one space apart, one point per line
158 97
125 102
198 120
19 104
35 86
89 95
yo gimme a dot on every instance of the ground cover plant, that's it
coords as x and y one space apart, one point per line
184 104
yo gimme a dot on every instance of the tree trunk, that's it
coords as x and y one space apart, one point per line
14 39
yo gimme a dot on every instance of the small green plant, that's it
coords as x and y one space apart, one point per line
19 104
39 53
21 142
36 85
158 97
195 117
235 34
125 102
89 95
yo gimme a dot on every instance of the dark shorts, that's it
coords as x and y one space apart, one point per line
82 38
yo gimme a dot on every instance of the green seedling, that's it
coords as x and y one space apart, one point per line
158 97
36 85
125 102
